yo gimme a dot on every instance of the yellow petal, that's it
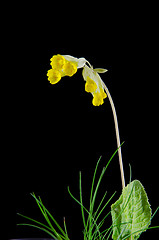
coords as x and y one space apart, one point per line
54 76
90 85
103 94
57 62
70 68
97 99
79 61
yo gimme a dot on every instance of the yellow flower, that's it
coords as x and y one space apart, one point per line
90 85
94 84
64 65
70 68
54 76
98 98
57 62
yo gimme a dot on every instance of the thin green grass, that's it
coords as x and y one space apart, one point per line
52 228
94 217
91 224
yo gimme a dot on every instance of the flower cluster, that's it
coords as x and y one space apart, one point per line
66 65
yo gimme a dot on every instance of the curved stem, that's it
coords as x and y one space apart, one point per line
117 134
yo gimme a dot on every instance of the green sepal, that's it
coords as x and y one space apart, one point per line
131 213
100 70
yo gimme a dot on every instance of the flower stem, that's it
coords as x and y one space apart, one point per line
117 135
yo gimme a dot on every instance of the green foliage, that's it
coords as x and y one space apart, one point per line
131 213
52 228
93 220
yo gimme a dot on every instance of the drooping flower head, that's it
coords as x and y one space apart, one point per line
63 65
94 84
66 65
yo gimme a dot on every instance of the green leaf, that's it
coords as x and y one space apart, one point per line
100 70
131 213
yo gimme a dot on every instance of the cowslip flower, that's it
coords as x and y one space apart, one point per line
66 65
94 84
63 65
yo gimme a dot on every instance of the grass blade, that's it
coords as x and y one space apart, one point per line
41 224
49 214
43 229
65 228
93 181
81 201
33 220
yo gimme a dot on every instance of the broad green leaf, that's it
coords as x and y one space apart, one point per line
131 213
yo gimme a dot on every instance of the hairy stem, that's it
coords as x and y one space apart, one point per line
117 134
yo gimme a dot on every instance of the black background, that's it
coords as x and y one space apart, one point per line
51 132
